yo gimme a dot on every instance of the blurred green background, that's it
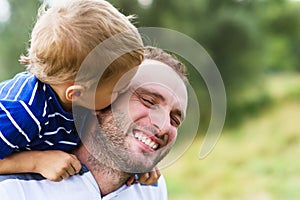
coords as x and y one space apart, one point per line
256 46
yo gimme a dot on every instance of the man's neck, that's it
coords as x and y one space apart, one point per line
108 179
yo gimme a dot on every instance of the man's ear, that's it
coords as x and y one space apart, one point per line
73 92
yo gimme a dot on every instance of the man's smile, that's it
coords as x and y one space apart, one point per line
148 139
140 136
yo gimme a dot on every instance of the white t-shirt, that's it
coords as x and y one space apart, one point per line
77 187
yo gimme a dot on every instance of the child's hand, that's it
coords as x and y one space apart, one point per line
146 178
56 165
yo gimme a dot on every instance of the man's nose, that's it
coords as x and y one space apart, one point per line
160 118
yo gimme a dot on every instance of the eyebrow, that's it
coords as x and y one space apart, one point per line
152 93
162 98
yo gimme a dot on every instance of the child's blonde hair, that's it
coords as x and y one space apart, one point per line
65 34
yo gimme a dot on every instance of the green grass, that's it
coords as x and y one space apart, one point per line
257 160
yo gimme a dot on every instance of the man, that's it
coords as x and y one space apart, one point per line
131 136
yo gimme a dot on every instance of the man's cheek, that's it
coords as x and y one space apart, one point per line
136 112
172 137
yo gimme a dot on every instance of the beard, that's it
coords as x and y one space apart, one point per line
110 147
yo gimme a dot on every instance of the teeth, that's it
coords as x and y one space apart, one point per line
145 140
152 144
148 142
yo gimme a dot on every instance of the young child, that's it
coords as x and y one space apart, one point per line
37 129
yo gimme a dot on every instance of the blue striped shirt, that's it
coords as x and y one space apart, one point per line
31 117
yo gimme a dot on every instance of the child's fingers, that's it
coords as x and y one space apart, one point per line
58 175
70 171
153 177
55 178
131 180
58 165
72 168
65 175
157 171
143 178
76 166
150 177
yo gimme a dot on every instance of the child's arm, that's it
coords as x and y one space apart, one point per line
146 178
52 164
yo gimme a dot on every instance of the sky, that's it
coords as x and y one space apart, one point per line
4 11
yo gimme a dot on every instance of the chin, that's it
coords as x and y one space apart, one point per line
138 163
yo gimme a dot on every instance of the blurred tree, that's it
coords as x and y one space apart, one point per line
245 38
282 30
14 36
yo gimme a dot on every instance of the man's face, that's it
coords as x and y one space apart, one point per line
142 125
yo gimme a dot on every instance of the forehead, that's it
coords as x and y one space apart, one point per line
161 78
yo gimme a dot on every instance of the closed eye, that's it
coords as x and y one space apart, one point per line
147 101
175 121
176 117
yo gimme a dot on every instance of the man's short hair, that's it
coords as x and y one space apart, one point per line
169 59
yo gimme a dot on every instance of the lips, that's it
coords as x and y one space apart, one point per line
144 138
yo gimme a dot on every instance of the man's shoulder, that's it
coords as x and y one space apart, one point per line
141 191
35 187
21 176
